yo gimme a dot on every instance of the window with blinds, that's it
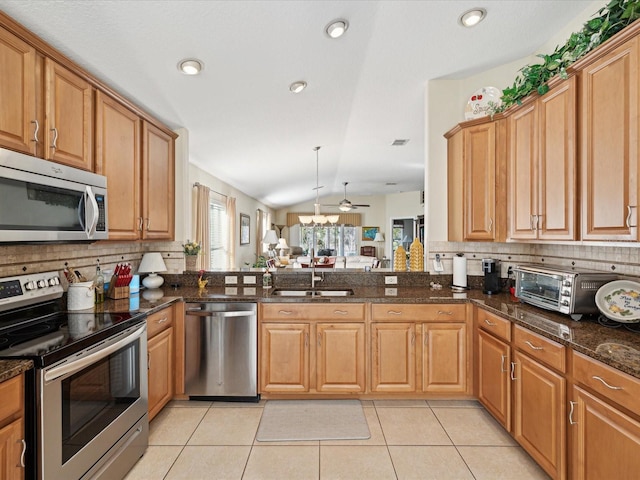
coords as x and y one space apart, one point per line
218 232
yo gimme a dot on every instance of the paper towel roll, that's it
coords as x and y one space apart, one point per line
460 271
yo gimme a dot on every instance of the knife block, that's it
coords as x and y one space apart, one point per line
116 293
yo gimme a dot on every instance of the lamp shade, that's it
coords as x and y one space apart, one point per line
379 237
270 237
152 262
282 244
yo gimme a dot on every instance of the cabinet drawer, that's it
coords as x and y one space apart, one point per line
609 382
159 321
435 312
498 326
307 311
540 348
11 395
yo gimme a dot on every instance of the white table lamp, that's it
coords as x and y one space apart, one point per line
282 246
152 263
379 239
271 239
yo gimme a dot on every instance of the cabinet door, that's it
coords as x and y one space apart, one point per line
557 163
444 357
393 357
494 384
69 117
157 184
604 442
480 181
118 158
17 91
284 357
523 158
609 153
539 422
161 372
11 446
340 357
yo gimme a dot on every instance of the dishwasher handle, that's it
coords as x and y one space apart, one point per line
198 312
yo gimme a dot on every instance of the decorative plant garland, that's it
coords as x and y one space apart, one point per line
610 20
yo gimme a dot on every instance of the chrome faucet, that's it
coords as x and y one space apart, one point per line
314 278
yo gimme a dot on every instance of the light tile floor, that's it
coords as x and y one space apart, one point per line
416 439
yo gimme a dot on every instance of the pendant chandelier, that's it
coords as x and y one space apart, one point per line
317 218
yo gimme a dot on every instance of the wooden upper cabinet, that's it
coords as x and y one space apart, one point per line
542 166
158 204
476 182
118 158
609 145
17 94
68 128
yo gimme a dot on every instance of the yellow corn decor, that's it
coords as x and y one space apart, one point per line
400 260
416 255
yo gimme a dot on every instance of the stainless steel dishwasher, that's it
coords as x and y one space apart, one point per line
221 351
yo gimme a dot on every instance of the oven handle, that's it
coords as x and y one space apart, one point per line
77 365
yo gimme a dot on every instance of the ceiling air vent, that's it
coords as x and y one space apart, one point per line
400 142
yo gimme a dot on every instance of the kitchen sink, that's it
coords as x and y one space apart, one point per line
284 292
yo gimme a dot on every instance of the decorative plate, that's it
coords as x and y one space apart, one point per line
478 104
620 301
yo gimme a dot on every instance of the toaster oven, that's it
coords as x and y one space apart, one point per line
561 289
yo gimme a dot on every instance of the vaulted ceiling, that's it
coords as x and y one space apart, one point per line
365 89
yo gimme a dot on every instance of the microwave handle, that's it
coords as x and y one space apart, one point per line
90 228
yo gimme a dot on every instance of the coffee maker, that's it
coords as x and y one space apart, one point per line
491 270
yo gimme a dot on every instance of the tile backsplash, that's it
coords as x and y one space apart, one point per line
20 259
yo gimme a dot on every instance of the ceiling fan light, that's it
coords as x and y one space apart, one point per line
191 66
344 208
297 87
472 17
337 28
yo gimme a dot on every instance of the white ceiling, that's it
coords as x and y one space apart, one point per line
245 127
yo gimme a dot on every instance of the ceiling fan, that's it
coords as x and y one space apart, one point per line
346 205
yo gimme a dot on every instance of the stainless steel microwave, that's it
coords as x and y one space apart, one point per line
562 289
42 201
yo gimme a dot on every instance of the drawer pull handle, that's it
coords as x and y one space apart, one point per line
595 377
572 405
55 138
24 451
532 346
162 320
394 312
513 371
35 131
285 312
340 312
442 312
502 359
491 324
140 223
628 220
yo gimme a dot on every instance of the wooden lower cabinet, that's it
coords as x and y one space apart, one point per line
444 357
494 383
604 442
393 357
539 413
340 357
160 360
284 357
12 441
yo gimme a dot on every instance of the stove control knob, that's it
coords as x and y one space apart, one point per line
42 283
53 281
31 285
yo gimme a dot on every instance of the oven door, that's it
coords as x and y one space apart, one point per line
542 289
93 407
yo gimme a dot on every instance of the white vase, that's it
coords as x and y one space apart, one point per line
191 263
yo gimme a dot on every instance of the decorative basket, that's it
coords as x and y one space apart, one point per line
191 262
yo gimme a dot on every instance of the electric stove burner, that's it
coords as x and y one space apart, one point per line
30 330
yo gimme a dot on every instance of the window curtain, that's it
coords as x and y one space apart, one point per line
260 231
231 215
201 225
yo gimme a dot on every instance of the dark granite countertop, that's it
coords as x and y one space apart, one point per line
12 368
618 348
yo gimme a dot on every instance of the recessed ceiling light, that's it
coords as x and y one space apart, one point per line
297 87
337 28
472 17
190 66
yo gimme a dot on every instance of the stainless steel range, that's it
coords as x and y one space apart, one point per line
86 398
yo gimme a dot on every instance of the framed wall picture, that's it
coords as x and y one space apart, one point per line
245 224
369 233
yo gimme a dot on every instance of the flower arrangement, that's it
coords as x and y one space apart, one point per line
191 248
